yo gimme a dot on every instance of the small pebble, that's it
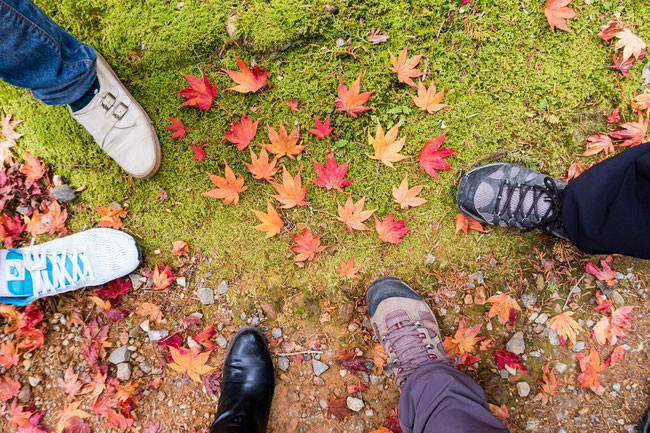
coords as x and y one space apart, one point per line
354 404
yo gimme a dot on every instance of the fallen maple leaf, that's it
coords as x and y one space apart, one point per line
557 13
191 362
381 429
271 223
292 104
204 338
597 143
199 153
291 192
241 133
590 366
352 362
576 169
565 326
9 388
352 214
162 276
70 382
321 129
11 229
228 187
347 269
639 103
406 197
8 355
615 116
431 157
633 133
6 155
307 245
179 248
151 427
176 126
337 407
609 30
464 222
152 311
114 289
504 357
464 341
500 412
389 230
547 385
504 306
427 99
33 168
8 129
633 46
70 412
607 274
260 167
200 92
387 146
331 176
283 143
379 358
405 68
350 100
18 417
618 354
623 66
112 216
247 79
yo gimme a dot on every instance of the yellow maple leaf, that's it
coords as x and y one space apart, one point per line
283 143
428 99
406 197
464 340
504 306
387 146
271 223
69 412
112 216
191 363
565 326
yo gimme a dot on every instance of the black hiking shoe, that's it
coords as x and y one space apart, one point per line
508 195
247 385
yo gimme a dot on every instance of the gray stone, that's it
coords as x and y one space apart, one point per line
145 366
25 394
340 42
205 295
529 299
589 323
504 374
119 355
579 346
276 333
553 338
64 193
532 424
283 363
323 403
523 389
535 353
516 344
430 259
331 8
136 282
616 297
124 371
560 430
161 396
354 404
561 367
157 335
222 288
34 381
533 316
221 341
542 318
477 277
319 367
181 281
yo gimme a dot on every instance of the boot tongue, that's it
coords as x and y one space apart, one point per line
15 280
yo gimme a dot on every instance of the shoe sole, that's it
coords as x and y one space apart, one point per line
158 161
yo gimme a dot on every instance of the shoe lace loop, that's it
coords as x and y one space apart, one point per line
550 193
60 279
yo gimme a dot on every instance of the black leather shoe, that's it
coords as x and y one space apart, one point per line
246 386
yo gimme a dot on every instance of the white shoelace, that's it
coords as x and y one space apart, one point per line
62 280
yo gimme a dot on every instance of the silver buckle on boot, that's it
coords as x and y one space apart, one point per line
108 100
120 111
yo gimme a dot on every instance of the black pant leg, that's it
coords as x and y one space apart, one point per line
607 208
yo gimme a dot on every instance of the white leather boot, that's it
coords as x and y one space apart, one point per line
120 126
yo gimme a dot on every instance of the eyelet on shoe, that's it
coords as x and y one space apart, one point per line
417 323
108 100
390 348
428 347
395 361
432 356
383 338
120 111
422 336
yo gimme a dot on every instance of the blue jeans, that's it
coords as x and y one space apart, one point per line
39 55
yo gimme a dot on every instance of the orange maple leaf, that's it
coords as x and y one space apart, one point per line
6 155
381 430
590 366
350 100
112 216
353 215
9 388
247 79
307 245
387 146
190 362
406 197
291 192
8 129
200 92
70 382
597 143
565 326
70 412
464 340
228 187
51 220
271 223
405 68
547 385
9 356
379 357
428 99
241 133
33 168
283 143
260 167
464 222
162 276
389 230
179 248
633 133
149 310
504 306
557 13
640 102
347 269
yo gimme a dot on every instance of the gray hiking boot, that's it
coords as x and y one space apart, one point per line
404 325
508 195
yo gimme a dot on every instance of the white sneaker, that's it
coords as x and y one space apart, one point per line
120 126
90 258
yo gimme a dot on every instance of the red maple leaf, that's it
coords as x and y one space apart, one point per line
632 132
431 156
352 362
204 338
241 133
33 168
292 104
614 117
350 100
331 176
247 79
338 407
176 126
114 289
624 66
321 129
597 143
307 245
607 274
389 230
618 354
503 358
200 92
11 229
199 153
